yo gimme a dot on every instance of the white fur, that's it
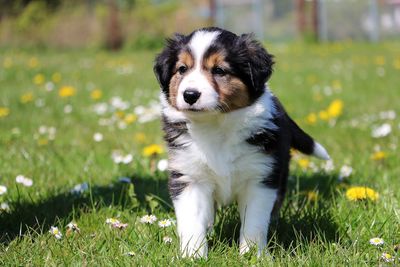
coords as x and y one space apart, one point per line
320 151
222 167
199 44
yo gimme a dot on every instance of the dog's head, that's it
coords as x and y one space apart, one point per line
212 70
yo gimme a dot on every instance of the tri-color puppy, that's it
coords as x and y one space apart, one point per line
228 136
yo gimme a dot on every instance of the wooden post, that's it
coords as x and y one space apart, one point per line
114 38
301 19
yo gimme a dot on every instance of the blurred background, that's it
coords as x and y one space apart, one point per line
136 24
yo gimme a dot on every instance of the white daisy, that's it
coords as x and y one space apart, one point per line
112 221
3 190
54 231
98 137
164 223
376 241
381 131
345 171
162 165
24 180
73 227
150 219
387 257
4 207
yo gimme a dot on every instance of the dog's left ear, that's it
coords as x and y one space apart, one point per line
165 61
256 62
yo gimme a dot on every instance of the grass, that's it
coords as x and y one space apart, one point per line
327 231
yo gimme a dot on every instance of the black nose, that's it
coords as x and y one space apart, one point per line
191 95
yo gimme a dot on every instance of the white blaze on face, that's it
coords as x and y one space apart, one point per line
196 79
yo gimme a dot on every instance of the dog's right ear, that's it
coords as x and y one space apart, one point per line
166 60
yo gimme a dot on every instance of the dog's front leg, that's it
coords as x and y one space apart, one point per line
255 206
194 208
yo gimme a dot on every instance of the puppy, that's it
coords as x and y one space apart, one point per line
228 136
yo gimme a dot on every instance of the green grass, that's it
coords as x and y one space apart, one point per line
330 231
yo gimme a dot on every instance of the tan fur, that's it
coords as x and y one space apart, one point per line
233 94
184 59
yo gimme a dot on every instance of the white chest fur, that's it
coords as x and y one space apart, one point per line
217 152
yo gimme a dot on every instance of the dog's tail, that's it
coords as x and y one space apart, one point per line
305 143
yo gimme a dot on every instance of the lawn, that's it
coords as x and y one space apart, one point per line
81 131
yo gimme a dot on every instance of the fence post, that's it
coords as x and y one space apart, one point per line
374 13
322 20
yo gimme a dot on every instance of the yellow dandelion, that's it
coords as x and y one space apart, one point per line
303 163
361 193
335 108
4 112
323 115
39 79
42 141
152 150
140 138
312 195
7 63
120 114
26 98
311 118
130 118
33 62
96 94
379 155
336 84
56 77
66 91
380 60
396 63
311 79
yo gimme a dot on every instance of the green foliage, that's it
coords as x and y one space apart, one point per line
32 16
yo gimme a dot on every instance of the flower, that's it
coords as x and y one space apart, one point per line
38 79
96 94
112 221
56 77
311 118
379 155
3 190
150 219
140 137
98 137
152 150
24 180
27 97
167 239
376 241
387 257
303 163
33 62
67 91
345 172
162 165
80 188
361 193
54 231
68 109
130 118
335 108
4 112
119 158
4 207
312 195
381 131
72 227
164 223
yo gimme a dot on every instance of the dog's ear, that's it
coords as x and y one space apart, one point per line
165 61
255 61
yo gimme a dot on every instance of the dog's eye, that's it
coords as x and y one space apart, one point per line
182 69
218 71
